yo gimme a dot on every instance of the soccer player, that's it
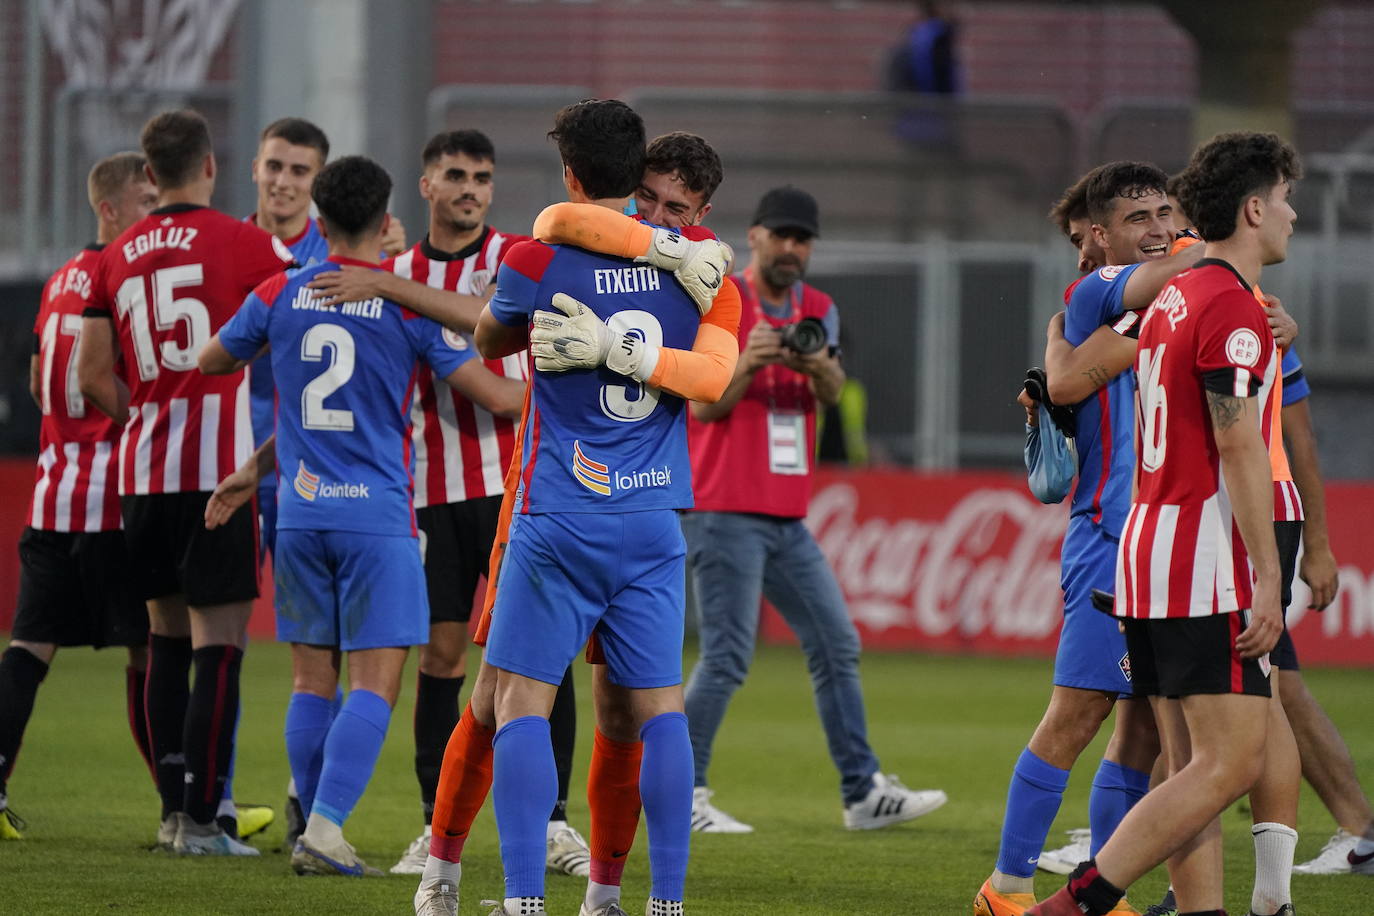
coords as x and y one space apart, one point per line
74 584
752 471
161 289
347 568
1132 221
1200 521
681 173
595 545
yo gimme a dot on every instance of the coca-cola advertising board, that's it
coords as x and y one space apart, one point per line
970 563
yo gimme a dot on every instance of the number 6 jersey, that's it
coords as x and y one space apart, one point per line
594 440
1181 551
169 282
345 377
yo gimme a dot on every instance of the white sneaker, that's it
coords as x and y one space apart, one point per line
707 818
341 859
567 851
1334 859
207 840
500 909
167 832
1065 859
412 861
438 899
890 802
612 908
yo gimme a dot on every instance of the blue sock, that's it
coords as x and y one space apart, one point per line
665 787
1032 802
1115 791
307 725
350 754
523 791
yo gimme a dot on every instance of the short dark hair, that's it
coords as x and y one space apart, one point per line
298 132
690 157
351 194
111 175
473 143
1226 171
1131 180
175 142
602 142
1073 204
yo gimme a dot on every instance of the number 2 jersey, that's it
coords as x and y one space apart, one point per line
169 282
345 377
595 440
1181 552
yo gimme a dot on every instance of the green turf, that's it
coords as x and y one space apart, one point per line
953 723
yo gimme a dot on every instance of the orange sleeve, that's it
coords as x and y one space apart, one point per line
704 372
1186 241
594 228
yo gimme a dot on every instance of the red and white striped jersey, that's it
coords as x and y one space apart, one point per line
462 450
169 282
76 488
1181 552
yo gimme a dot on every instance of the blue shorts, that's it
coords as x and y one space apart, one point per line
351 590
567 575
1092 649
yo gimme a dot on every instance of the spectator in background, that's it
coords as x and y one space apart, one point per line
751 467
926 61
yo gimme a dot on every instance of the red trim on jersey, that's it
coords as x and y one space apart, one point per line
530 258
1068 290
268 290
1237 670
529 463
352 262
1105 437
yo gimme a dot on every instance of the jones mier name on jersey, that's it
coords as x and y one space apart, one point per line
368 308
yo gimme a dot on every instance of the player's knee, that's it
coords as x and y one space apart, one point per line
439 659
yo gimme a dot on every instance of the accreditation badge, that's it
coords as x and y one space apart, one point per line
787 442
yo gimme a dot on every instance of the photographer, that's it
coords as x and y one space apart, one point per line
752 454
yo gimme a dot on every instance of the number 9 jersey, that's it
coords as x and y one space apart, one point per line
345 376
595 440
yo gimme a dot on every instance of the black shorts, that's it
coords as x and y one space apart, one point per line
172 553
1284 655
1186 656
455 542
75 589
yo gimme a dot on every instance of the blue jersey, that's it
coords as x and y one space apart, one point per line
596 441
344 382
1295 387
309 248
1105 421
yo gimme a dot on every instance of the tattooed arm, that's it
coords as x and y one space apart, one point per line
1076 372
1249 483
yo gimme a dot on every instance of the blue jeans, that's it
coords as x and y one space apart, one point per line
734 558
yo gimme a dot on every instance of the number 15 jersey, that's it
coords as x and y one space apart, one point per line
169 282
595 440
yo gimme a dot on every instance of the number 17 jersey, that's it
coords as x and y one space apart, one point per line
595 440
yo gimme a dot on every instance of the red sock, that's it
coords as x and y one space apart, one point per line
613 796
138 716
464 783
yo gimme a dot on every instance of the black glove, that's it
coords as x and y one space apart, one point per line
1038 387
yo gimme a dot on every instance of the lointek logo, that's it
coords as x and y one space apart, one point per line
598 477
310 488
989 566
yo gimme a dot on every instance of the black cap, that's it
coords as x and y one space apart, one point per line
788 208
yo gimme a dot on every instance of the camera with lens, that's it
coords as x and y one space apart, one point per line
804 337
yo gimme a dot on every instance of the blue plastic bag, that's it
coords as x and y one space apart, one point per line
1051 462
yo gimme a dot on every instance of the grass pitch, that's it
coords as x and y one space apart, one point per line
952 723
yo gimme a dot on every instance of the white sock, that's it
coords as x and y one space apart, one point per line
437 869
1012 884
291 789
554 827
226 808
1363 846
523 906
658 907
1274 847
322 833
601 894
